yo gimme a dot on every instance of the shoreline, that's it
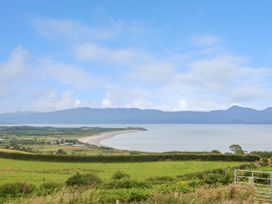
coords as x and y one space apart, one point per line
97 139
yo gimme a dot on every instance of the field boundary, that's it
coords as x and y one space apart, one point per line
129 158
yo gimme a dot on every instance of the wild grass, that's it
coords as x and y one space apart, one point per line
232 194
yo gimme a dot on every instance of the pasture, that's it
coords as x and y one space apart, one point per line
37 172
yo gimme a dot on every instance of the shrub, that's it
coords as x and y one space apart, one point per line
195 183
61 152
218 177
16 189
123 195
119 175
125 183
160 180
83 180
211 179
49 187
264 162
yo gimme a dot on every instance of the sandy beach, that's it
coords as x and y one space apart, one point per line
96 139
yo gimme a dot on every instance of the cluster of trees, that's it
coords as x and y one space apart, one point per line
66 141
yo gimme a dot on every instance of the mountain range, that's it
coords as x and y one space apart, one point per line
233 115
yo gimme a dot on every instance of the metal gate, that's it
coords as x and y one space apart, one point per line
260 180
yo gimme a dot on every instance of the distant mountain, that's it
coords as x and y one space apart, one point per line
233 115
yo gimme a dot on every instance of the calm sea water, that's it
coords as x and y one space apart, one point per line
161 138
176 137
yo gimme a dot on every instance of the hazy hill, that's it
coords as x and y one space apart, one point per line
233 115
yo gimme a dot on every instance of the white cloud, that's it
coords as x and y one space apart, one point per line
206 40
92 51
22 77
218 82
15 66
152 72
140 65
51 101
106 103
66 74
13 72
73 31
66 29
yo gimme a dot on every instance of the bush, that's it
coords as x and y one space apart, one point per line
83 180
225 175
123 195
125 183
195 183
159 180
264 162
16 189
218 177
119 175
49 187
211 179
61 152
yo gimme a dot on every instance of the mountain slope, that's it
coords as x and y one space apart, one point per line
233 115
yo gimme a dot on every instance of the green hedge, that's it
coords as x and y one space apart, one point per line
129 158
220 171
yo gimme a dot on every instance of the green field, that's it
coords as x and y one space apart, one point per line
37 172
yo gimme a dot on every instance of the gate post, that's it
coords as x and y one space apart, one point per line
235 176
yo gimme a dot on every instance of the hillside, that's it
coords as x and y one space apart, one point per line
233 115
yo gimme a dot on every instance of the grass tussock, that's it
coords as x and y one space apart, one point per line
232 194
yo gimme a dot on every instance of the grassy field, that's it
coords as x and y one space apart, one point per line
37 172
13 151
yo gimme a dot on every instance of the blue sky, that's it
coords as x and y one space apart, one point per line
168 55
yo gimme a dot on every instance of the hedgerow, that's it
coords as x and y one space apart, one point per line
129 158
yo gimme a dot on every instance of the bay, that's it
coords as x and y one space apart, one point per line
196 137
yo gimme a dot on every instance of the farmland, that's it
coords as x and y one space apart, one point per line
51 165
37 172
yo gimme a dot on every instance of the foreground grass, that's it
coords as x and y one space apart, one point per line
37 172
232 194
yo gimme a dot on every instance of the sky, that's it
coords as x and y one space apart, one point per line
156 54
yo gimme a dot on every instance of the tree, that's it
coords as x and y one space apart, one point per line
61 151
236 149
216 151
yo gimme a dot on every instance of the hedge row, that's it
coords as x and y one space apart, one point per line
221 171
129 158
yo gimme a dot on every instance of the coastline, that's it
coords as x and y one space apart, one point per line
97 139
